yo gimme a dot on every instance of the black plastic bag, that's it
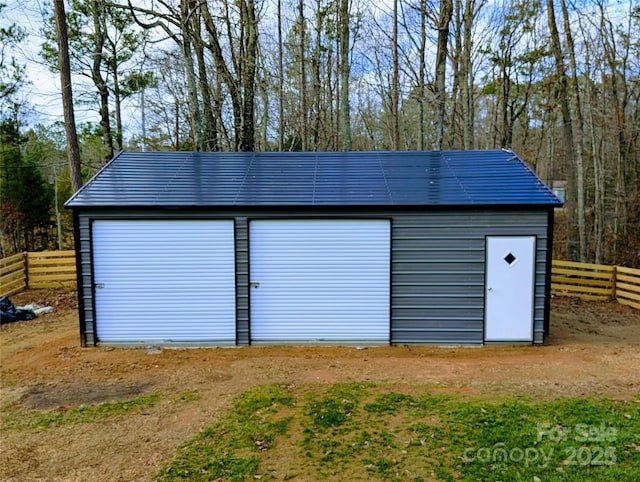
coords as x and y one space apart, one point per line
9 313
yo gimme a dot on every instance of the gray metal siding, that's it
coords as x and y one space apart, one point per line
437 265
438 272
85 278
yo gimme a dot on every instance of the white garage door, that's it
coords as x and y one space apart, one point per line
320 280
164 280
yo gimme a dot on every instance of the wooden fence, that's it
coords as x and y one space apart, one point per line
628 286
57 269
582 280
596 282
47 269
13 274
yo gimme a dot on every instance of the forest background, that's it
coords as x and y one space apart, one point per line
557 81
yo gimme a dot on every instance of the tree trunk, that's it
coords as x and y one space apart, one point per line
194 107
224 73
249 26
455 54
468 102
446 11
567 125
302 77
331 101
579 134
598 176
210 141
176 126
97 11
117 98
315 76
422 71
395 83
280 81
345 73
73 151
619 96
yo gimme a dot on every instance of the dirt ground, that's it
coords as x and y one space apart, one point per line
593 351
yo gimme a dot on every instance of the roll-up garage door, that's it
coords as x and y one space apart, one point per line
320 280
164 280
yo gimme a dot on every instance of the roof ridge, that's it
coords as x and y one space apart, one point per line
384 177
244 179
463 188
174 175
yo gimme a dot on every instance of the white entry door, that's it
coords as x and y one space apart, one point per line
320 280
509 288
163 281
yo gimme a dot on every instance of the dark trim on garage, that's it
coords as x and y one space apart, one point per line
93 286
548 266
283 210
79 280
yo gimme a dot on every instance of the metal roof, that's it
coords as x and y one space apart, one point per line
407 178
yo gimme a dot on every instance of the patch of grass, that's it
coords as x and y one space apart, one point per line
389 403
262 400
567 439
14 418
19 419
230 450
358 432
334 408
189 396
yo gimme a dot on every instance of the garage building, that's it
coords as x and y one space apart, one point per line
192 248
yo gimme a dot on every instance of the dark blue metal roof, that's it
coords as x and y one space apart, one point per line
407 178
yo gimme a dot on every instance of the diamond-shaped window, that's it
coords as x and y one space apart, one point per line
510 259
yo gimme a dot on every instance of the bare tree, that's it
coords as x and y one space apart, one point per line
99 36
577 126
471 10
395 82
616 58
567 127
210 140
422 70
344 22
444 20
180 19
73 151
280 80
302 73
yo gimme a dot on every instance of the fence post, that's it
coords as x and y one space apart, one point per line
26 269
614 280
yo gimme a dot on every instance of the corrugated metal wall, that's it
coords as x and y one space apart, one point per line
437 266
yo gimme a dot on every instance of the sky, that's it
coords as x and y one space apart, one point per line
42 93
43 90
